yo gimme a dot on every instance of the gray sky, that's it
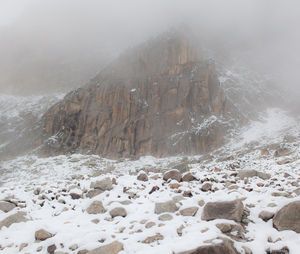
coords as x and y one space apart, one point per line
66 27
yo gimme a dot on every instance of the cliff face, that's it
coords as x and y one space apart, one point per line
159 98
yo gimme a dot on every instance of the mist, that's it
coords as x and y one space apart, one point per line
51 46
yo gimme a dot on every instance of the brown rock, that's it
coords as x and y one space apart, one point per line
282 152
166 207
116 114
142 176
206 187
112 248
220 248
172 174
188 177
51 249
22 246
94 193
165 217
118 211
15 218
95 208
284 161
104 184
265 216
6 206
150 224
190 211
288 217
42 235
230 210
154 238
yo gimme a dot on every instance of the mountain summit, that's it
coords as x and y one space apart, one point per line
159 98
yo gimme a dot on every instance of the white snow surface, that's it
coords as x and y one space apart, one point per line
71 224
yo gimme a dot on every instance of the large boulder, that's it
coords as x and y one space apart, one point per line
104 184
230 210
172 174
288 217
6 206
15 218
225 247
95 208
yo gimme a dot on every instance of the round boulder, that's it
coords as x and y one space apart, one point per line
172 174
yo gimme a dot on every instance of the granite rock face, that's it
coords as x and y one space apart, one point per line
159 98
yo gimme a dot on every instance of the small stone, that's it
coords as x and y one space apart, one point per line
297 191
224 227
42 235
166 207
40 248
271 205
233 187
95 221
179 230
188 177
217 169
118 211
143 222
247 250
154 238
264 176
165 217
142 176
93 193
201 202
282 152
265 216
95 208
260 185
187 194
73 247
190 211
51 248
150 224
174 185
76 195
172 174
206 187
285 161
22 246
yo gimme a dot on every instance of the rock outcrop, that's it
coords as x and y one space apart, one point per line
160 98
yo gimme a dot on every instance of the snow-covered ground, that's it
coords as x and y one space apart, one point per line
38 186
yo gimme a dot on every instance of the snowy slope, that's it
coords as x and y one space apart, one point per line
70 223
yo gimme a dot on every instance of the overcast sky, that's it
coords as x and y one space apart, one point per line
270 26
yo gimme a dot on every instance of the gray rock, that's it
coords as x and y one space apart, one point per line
284 161
112 248
154 238
190 211
182 167
179 230
265 216
225 247
76 195
282 152
6 206
172 174
297 191
150 224
177 198
230 210
288 217
264 176
42 235
247 173
206 187
15 218
103 185
166 207
142 176
118 211
224 227
165 217
95 208
94 193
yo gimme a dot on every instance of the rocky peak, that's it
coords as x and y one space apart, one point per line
158 98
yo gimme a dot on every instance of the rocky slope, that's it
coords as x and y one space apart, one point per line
159 98
243 198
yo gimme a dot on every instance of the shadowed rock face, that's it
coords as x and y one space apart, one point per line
159 98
